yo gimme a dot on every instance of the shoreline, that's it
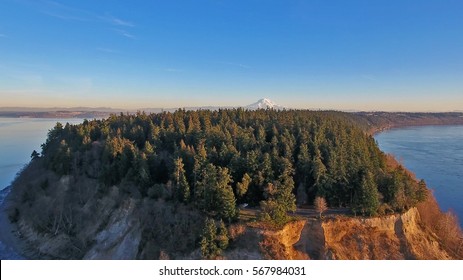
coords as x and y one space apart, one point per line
12 247
377 130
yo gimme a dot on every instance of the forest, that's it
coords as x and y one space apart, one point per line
217 160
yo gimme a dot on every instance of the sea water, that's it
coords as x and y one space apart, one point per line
18 138
435 154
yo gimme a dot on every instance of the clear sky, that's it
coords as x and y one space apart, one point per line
368 55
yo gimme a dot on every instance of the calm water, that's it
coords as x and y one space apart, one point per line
435 154
18 138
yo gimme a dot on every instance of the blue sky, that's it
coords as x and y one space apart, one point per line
368 55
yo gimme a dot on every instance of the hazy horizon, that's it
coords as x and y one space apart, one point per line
341 55
205 106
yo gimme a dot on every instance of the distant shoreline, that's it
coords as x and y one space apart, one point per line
382 121
55 115
394 127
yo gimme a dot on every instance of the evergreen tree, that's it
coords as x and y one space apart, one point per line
181 184
225 197
35 155
214 193
422 191
319 174
285 186
222 236
273 212
149 150
209 247
284 193
366 197
242 187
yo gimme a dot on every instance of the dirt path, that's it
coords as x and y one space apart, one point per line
311 212
247 214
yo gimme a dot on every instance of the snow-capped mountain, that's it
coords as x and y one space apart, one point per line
264 103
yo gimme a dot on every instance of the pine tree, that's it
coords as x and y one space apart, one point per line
209 248
273 212
284 193
285 186
35 155
180 181
242 187
214 193
319 174
422 191
366 197
225 197
222 236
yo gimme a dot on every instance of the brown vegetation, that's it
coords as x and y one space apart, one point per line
66 218
392 163
168 228
444 225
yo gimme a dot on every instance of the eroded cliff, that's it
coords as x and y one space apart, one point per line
392 237
399 236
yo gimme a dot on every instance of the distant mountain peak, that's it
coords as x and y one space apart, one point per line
264 103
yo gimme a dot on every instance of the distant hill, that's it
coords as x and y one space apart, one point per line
262 103
378 121
57 109
102 112
58 112
373 121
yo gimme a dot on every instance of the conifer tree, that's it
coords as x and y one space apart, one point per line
214 193
209 248
35 155
225 197
180 181
222 236
366 197
285 186
242 187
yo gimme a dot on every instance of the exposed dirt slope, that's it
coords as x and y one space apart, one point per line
391 237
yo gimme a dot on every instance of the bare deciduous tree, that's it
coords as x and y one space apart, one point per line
320 205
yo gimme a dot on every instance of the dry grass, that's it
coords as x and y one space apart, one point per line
392 163
236 230
272 249
444 225
248 215
169 228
